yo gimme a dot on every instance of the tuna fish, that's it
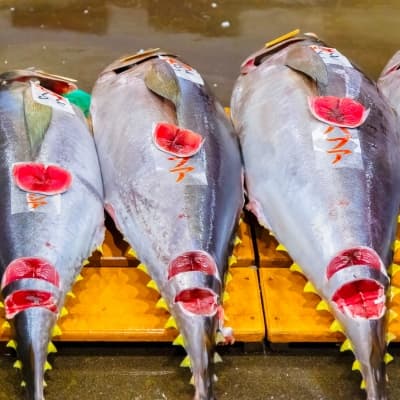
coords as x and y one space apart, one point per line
388 82
173 185
51 209
321 155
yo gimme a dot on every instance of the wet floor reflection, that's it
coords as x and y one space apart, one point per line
78 39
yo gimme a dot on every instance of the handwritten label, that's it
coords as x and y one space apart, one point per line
330 55
183 70
46 97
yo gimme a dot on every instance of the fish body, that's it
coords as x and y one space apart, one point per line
177 212
388 81
51 208
321 156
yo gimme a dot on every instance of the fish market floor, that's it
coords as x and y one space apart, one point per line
151 372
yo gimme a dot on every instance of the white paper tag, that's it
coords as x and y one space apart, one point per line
330 55
48 98
337 147
183 70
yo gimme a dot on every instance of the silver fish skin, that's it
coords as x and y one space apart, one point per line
326 214
62 233
388 81
170 219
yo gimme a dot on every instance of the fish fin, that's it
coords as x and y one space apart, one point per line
396 245
171 323
394 269
393 291
143 268
390 337
63 312
71 294
217 358
323 306
281 247
309 288
219 337
12 344
336 327
356 366
56 331
85 262
304 59
363 385
282 38
240 220
346 346
44 384
392 315
388 358
237 241
131 253
225 297
228 278
18 364
100 249
179 341
6 325
296 268
161 80
192 380
1 304
47 366
153 285
161 303
78 278
37 120
186 362
23 384
232 260
51 348
215 378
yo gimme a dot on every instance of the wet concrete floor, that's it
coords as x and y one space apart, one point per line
78 39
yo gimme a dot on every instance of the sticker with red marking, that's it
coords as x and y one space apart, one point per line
183 70
175 140
48 98
192 261
40 178
330 55
22 300
30 267
198 301
337 147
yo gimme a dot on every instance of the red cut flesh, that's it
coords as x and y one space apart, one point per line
177 141
40 178
338 111
248 66
363 298
192 261
198 301
30 267
352 257
24 299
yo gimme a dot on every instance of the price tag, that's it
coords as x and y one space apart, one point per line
330 55
48 98
183 70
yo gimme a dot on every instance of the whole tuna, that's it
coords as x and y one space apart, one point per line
389 79
322 154
51 209
173 185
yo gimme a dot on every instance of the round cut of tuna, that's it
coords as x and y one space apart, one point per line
175 140
30 267
198 301
338 111
40 178
192 261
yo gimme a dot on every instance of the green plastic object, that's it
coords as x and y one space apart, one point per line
81 99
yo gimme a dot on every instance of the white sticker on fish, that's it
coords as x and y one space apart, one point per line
22 202
338 147
46 97
330 55
183 70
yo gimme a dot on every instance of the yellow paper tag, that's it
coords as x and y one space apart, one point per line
283 38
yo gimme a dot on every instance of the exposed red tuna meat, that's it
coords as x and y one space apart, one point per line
30 267
192 261
338 111
198 301
24 299
40 178
176 141
363 298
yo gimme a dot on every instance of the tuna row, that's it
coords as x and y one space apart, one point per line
320 146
